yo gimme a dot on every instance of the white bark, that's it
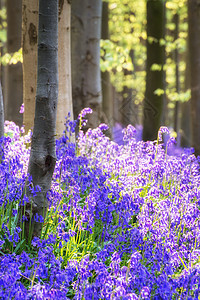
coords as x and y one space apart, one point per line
86 76
29 44
64 67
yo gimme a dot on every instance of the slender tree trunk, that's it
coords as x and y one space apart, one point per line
14 77
194 49
29 45
107 98
78 34
92 84
1 114
153 104
176 58
86 77
43 155
64 66
164 116
186 108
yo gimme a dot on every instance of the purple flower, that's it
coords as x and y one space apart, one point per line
161 131
135 259
84 112
145 292
103 126
130 296
22 109
171 141
129 132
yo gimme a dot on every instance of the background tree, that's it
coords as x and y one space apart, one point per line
29 47
43 156
78 31
64 66
153 102
13 72
177 91
30 21
86 78
107 97
186 107
194 50
123 56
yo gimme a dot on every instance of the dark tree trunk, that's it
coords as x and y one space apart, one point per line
153 104
176 58
164 117
13 72
1 114
43 155
194 50
186 108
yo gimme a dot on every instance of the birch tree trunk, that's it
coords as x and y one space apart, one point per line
78 32
92 85
29 46
43 155
107 97
86 75
64 66
13 72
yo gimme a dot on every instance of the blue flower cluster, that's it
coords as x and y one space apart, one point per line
123 221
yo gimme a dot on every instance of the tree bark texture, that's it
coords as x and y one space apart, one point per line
176 58
186 108
29 47
30 32
107 98
92 87
13 72
78 35
1 114
153 104
194 50
86 77
64 65
43 156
